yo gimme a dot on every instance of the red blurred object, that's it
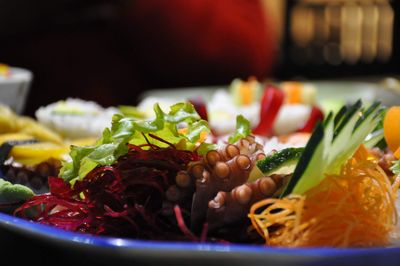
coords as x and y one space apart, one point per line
200 42
200 107
315 116
271 102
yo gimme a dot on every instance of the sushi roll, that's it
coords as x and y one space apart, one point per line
225 105
76 118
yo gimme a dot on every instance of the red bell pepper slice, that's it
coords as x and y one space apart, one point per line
271 102
315 116
200 107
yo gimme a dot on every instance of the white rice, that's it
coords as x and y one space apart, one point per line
87 119
291 117
222 112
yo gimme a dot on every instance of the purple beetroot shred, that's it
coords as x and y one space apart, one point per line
125 199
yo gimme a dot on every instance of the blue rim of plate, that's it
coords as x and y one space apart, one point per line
28 227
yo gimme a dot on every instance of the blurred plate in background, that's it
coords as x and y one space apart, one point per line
339 91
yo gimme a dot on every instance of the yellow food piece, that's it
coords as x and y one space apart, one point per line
83 142
7 120
43 150
14 137
4 70
29 126
31 161
391 128
203 134
12 123
182 131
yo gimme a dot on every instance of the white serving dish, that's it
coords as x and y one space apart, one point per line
14 89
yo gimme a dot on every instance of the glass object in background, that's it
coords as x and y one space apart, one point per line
340 38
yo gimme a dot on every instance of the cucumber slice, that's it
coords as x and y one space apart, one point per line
332 144
312 155
281 162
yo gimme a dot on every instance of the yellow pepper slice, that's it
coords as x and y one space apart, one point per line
14 137
42 150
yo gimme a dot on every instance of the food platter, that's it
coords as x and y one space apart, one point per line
182 253
179 253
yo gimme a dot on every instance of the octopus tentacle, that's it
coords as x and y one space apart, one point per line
180 192
232 207
222 170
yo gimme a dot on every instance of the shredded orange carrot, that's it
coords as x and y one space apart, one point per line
203 134
353 209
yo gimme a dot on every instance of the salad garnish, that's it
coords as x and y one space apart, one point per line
332 144
354 208
125 130
132 197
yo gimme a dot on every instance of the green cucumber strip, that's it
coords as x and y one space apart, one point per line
339 115
350 114
374 138
281 162
331 145
311 155
351 137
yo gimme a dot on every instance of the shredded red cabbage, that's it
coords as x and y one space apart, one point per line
124 199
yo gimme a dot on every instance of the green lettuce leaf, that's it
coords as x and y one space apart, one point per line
124 130
243 129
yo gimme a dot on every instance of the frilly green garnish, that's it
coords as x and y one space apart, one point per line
243 129
124 130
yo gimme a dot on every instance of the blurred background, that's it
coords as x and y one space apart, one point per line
111 51
328 39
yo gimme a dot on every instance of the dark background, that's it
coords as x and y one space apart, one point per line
85 49
111 51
